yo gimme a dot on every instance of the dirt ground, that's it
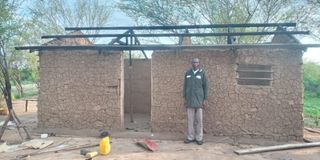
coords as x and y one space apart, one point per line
123 146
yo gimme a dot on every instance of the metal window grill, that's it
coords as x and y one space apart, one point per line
253 74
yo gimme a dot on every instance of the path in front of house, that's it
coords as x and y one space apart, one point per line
170 146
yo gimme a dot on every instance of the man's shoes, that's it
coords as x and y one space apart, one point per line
187 141
199 142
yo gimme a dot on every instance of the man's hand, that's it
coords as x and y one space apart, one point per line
204 104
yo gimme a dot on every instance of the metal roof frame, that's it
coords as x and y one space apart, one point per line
132 42
170 27
178 34
168 47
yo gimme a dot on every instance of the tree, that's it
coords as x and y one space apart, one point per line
8 29
312 20
51 16
21 60
178 12
11 31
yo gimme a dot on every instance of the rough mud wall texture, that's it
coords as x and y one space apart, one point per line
80 89
273 111
137 81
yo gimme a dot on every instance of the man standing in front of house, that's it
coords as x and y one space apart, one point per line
195 92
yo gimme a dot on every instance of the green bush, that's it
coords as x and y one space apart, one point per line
15 96
28 74
311 78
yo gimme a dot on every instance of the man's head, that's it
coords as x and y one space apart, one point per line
195 63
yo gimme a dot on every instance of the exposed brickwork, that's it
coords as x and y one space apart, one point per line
140 86
80 89
258 111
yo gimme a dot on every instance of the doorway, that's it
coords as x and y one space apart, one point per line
137 95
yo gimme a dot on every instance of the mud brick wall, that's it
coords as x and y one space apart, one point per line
273 111
139 84
80 89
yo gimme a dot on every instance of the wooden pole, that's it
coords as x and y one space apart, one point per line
276 148
4 126
19 122
12 115
130 78
57 150
311 130
26 105
5 87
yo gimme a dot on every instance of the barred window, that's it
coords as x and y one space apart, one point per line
253 74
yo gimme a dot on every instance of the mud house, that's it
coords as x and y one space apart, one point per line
257 92
254 90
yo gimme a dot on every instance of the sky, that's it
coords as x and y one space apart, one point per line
119 18
312 54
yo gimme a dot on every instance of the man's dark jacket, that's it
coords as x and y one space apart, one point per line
195 89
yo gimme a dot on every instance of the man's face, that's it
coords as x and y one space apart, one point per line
195 64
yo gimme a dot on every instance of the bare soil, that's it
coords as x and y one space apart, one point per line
170 145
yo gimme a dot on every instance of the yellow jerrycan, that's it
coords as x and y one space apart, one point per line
104 146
